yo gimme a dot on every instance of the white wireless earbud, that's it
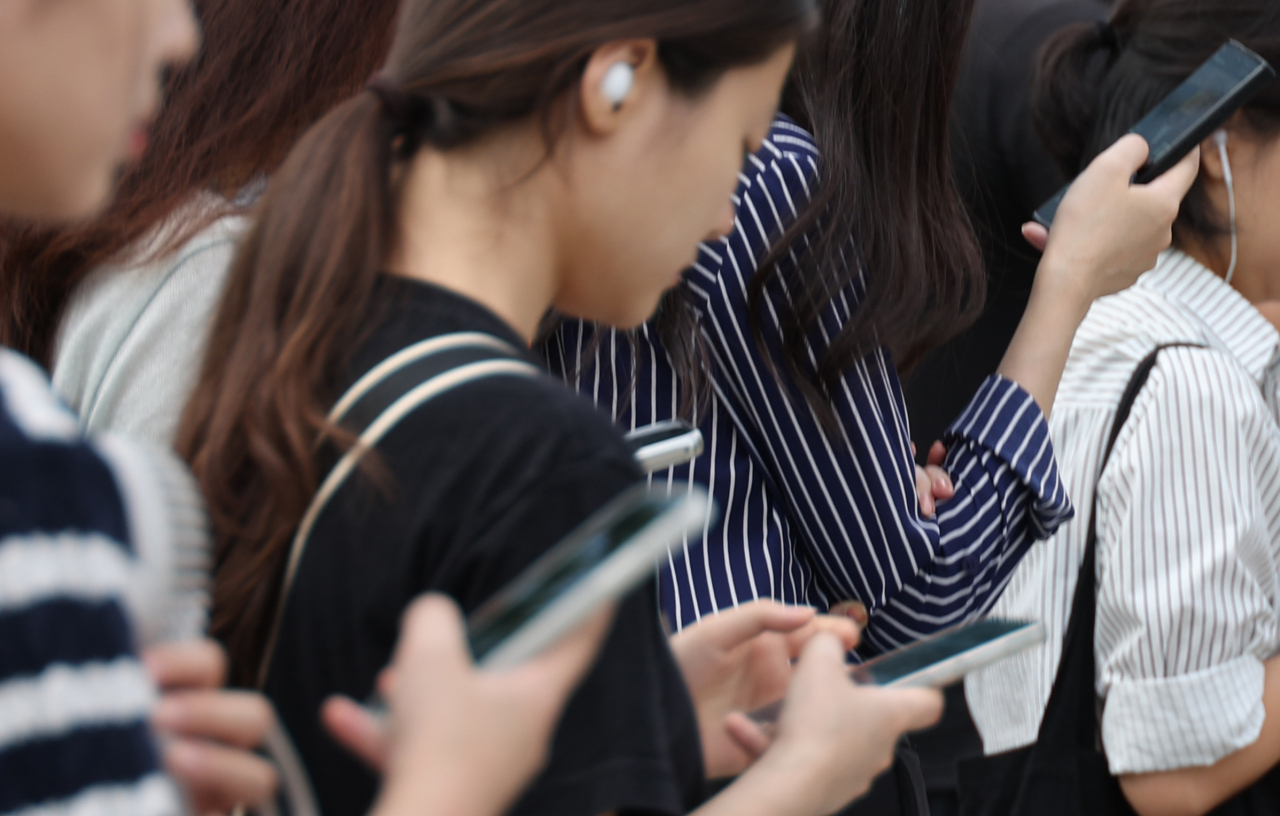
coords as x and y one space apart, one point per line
1220 138
617 83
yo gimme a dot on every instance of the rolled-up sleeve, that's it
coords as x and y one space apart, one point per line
1187 567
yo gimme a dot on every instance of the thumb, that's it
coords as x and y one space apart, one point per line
914 708
1126 155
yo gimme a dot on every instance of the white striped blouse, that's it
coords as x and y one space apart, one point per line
806 517
1188 529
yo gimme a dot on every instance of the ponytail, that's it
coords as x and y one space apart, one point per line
297 295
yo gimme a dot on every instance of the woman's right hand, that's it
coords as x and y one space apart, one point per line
461 740
1108 231
833 739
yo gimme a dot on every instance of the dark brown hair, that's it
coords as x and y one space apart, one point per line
267 70
874 87
300 290
886 218
1094 82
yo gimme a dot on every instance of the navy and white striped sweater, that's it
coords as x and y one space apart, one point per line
806 518
74 698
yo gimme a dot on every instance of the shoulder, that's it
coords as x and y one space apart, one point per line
1116 335
535 420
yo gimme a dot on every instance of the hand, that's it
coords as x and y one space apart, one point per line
739 660
933 484
834 737
208 733
1108 231
459 740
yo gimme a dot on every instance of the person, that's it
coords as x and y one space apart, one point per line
76 696
118 308
77 513
490 172
1188 513
782 340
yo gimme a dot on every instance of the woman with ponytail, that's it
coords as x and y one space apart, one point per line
850 257
1187 549
514 155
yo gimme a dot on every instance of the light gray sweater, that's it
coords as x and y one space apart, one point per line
133 338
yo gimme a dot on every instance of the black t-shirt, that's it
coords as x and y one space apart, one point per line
485 478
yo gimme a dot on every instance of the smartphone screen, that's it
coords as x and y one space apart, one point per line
936 651
562 568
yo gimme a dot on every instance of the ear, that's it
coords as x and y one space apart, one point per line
1211 169
603 109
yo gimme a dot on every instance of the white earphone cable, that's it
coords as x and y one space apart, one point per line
1221 138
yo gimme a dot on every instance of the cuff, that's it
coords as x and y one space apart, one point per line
1005 424
1191 720
169 593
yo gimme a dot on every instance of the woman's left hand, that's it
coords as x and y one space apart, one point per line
933 484
208 732
740 660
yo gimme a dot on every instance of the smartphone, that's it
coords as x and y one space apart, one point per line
1189 115
939 659
665 444
600 561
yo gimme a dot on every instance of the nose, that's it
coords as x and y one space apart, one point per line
177 33
724 224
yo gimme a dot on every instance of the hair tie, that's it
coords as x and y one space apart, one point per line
410 114
1108 37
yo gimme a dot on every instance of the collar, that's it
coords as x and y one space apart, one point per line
1236 327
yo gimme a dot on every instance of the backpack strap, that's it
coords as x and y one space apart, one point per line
376 403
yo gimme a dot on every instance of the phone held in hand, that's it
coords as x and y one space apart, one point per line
665 444
607 556
939 659
1191 113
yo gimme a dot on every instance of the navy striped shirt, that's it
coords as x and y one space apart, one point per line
74 698
806 517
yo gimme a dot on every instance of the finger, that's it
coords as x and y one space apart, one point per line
357 729
749 735
839 626
239 718
915 708
187 664
1035 234
938 452
924 491
1179 178
736 626
854 610
1126 156
218 778
432 625
940 482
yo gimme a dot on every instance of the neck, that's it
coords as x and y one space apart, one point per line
477 221
1248 279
